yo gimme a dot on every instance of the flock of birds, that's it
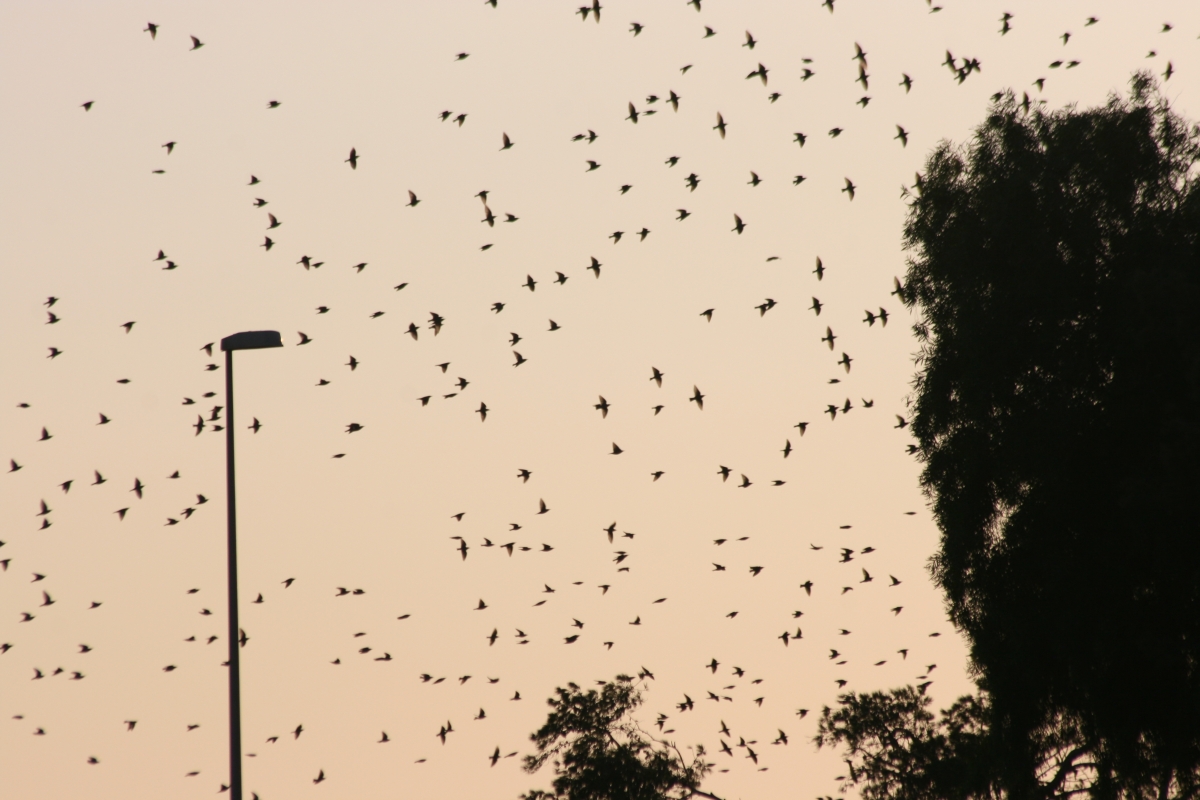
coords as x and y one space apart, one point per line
206 407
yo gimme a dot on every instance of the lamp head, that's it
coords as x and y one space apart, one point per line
252 340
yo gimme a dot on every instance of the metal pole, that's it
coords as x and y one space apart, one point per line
235 689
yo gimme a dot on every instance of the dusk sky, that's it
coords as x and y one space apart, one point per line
89 198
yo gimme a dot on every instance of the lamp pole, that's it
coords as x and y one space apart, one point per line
247 340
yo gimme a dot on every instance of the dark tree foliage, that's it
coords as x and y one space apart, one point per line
899 750
1055 268
599 752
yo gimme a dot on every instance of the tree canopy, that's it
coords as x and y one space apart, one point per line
599 752
1055 270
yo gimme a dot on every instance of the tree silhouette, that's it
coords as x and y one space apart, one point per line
1055 269
599 752
898 750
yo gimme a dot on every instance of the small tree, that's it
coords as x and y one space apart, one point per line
897 749
599 752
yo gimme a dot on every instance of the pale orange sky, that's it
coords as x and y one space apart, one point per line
82 215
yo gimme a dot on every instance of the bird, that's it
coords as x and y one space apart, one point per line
738 225
849 188
196 44
656 376
697 398
721 125
353 159
602 407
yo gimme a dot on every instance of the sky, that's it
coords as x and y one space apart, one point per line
91 196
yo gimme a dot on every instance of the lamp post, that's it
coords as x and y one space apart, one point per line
247 340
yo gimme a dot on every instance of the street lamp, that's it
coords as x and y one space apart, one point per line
247 340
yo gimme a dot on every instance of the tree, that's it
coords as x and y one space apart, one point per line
1055 268
599 752
897 749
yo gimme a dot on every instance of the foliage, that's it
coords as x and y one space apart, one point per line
1055 267
899 750
599 752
